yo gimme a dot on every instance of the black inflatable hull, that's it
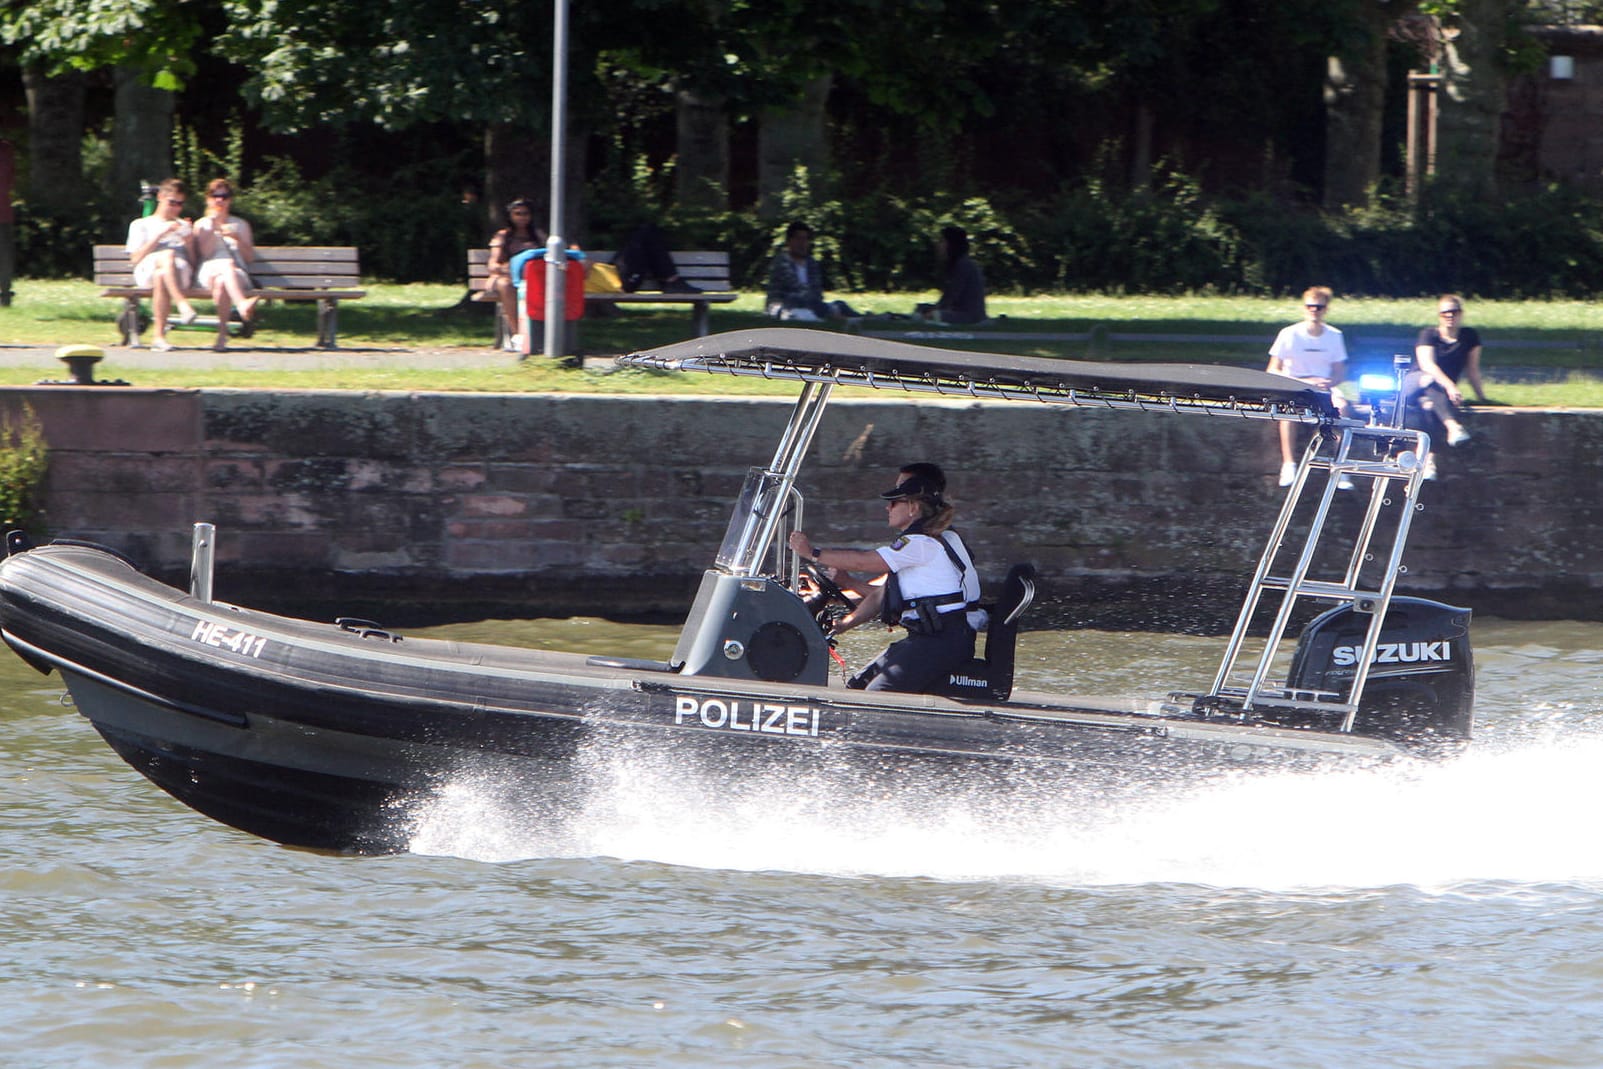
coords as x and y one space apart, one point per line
335 737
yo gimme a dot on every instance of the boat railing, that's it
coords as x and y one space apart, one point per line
766 496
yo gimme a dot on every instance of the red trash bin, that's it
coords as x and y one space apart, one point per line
534 289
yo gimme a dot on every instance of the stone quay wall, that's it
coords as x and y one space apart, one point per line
475 504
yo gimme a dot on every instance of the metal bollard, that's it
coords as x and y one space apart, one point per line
203 551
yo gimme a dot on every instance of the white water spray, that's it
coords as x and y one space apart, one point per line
1487 816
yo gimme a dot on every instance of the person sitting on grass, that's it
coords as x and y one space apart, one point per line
962 299
796 282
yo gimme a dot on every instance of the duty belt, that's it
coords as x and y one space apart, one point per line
927 616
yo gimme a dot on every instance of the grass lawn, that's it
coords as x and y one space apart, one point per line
1564 339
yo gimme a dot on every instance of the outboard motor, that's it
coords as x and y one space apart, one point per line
1421 686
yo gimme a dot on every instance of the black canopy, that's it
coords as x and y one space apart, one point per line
787 353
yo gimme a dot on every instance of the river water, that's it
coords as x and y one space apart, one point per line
1450 915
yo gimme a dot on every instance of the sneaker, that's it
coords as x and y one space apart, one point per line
1430 469
187 315
679 285
1344 483
1457 436
1288 473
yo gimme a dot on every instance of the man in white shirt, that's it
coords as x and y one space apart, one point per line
1314 352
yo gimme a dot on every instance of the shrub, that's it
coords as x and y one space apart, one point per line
1544 243
59 246
24 458
1164 240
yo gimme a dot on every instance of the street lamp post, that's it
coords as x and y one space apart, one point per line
556 250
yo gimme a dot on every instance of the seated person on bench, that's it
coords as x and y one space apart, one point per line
162 248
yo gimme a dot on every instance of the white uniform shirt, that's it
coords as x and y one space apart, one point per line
977 618
1308 357
922 569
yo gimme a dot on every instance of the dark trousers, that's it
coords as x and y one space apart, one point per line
920 662
644 255
1427 406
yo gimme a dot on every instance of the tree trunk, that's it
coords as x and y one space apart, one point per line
701 179
517 163
1355 101
1474 94
55 183
141 137
1141 150
791 137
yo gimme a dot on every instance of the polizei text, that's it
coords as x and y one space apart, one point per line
735 714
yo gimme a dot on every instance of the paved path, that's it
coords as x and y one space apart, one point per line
120 360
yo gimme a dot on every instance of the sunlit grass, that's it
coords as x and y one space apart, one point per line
1541 334
1575 391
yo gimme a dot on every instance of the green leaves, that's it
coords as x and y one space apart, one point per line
158 37
316 62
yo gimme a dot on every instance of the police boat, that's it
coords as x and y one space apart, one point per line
337 736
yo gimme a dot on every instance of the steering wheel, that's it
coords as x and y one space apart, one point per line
826 586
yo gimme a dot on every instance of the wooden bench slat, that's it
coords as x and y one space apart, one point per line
706 268
304 287
654 297
112 257
274 294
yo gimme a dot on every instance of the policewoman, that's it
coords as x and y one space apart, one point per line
923 594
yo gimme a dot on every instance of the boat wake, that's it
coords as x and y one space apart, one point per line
1487 816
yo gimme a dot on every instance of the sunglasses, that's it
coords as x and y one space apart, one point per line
221 195
1319 306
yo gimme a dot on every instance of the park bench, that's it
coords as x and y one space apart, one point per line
705 268
325 274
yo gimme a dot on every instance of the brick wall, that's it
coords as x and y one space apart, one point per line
472 503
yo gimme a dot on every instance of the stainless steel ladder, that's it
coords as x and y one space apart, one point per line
1390 459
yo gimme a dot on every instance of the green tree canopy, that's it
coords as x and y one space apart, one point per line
156 37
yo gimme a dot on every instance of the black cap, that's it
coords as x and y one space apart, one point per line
914 487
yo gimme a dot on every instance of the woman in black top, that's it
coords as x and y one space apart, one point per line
1444 354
